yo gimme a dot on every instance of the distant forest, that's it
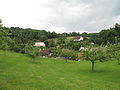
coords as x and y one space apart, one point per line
15 38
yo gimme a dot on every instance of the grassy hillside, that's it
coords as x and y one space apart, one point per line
18 72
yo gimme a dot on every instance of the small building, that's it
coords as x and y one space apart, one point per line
83 48
39 44
46 52
78 38
92 43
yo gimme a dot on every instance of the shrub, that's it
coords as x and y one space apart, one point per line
31 51
70 54
55 52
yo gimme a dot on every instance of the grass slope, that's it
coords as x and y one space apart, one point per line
17 72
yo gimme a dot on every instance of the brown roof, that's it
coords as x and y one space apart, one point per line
78 37
46 51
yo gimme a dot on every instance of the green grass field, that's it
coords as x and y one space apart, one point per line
18 72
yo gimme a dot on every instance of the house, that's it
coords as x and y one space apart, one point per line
78 38
39 44
46 52
83 48
92 43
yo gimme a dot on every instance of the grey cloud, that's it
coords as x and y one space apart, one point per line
83 15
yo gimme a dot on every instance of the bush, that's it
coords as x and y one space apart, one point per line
55 52
70 54
31 51
114 51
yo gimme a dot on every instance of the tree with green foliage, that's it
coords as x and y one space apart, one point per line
117 56
0 23
55 52
95 55
76 45
5 44
117 28
1 28
114 50
31 51
69 54
5 47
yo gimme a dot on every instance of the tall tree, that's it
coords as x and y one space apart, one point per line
117 28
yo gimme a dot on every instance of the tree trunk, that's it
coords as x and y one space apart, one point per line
92 66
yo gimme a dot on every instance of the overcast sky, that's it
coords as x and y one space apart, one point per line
61 15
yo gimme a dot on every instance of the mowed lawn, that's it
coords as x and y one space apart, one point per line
18 72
